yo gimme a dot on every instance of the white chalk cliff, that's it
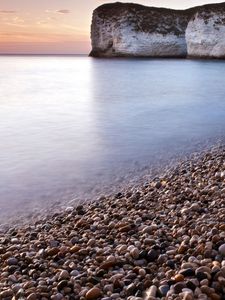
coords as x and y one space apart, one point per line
127 29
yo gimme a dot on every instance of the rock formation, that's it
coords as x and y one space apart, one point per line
126 29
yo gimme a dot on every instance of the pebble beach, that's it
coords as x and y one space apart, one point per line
164 239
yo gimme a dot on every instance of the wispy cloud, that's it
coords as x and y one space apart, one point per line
7 11
14 21
63 11
59 11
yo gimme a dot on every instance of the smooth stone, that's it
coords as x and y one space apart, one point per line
131 289
108 264
142 272
135 253
150 294
53 251
171 264
64 275
178 287
152 255
203 269
12 261
6 294
222 250
108 288
74 273
58 296
147 229
187 296
163 290
206 290
93 293
62 284
179 277
32 296
192 285
200 276
187 272
115 296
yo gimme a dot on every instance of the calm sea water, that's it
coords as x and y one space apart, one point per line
71 125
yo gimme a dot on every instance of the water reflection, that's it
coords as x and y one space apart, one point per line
71 124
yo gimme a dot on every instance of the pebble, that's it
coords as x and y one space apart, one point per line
178 287
134 253
222 250
152 255
151 293
64 275
163 239
163 290
32 296
179 277
12 261
93 293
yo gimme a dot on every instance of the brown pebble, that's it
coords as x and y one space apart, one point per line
32 296
108 264
53 251
179 277
93 293
75 249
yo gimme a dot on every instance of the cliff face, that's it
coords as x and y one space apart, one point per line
205 33
125 29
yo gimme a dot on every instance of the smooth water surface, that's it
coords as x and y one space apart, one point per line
69 125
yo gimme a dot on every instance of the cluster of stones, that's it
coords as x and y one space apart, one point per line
163 240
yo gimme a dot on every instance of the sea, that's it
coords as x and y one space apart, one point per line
73 128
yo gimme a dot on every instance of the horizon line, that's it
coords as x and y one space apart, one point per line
43 54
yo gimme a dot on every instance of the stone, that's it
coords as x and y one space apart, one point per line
93 293
53 251
135 253
187 272
108 264
187 296
178 287
62 284
152 255
58 296
179 277
75 249
64 275
150 294
130 289
12 261
163 290
6 294
222 250
32 296
147 229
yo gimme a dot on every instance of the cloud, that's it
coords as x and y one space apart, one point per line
14 21
7 11
63 11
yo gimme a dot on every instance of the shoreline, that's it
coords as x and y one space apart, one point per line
130 178
162 239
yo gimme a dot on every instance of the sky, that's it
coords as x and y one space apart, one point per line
57 26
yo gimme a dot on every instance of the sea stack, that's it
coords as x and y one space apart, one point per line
133 30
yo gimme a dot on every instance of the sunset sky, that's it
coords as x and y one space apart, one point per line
56 26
